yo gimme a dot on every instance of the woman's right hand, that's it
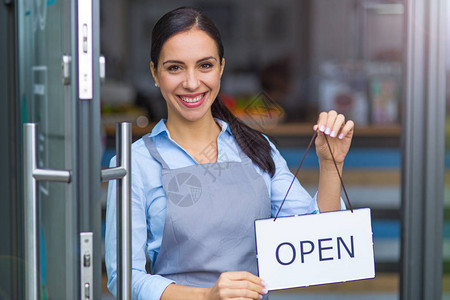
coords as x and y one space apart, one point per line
237 285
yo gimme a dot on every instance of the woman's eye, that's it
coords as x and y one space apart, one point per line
173 68
206 65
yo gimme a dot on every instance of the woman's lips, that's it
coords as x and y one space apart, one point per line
192 100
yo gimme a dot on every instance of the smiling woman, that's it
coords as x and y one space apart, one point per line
198 70
201 177
190 79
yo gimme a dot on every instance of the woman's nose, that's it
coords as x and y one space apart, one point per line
191 82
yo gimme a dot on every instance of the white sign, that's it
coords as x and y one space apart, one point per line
315 249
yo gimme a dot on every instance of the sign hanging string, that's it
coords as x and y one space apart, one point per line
298 169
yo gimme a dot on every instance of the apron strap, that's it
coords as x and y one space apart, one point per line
151 147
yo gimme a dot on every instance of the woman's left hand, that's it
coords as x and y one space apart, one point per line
339 133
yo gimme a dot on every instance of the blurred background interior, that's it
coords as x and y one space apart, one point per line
285 62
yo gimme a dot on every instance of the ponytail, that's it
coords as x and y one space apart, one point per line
251 141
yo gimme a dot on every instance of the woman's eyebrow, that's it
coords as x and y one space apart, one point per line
181 63
206 58
173 62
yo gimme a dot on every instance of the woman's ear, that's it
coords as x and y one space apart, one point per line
222 67
152 68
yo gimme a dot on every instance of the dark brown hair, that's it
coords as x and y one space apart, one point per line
251 141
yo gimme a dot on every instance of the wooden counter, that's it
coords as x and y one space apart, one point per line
291 130
305 130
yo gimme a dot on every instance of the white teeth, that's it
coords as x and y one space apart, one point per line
192 100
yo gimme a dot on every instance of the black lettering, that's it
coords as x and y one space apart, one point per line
278 256
302 252
341 241
321 258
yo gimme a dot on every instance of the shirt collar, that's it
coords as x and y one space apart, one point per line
160 127
224 125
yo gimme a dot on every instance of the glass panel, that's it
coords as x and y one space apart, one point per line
301 57
43 32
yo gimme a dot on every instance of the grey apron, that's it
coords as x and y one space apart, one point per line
209 225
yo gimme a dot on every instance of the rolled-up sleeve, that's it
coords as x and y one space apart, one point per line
144 285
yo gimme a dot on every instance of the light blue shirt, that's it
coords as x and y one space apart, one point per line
148 202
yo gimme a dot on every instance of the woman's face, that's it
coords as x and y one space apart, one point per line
188 73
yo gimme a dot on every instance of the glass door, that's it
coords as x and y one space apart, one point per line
59 94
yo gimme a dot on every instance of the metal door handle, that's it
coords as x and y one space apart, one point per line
32 174
123 208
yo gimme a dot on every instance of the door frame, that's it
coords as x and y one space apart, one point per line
87 160
423 149
11 218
